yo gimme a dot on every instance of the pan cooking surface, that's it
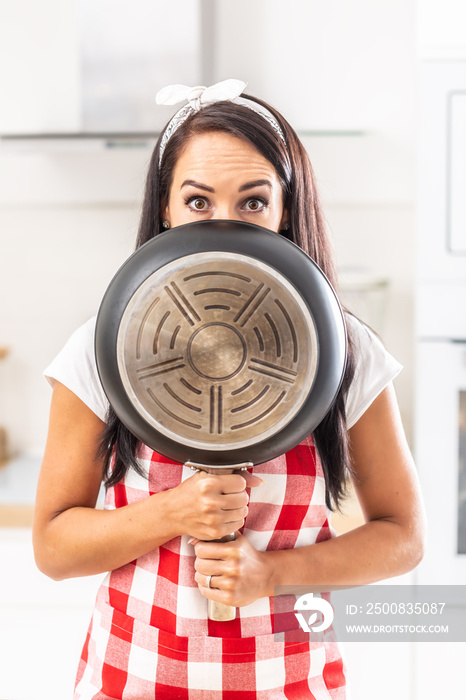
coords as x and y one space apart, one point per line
217 350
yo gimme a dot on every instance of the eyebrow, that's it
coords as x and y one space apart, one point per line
193 183
255 183
246 186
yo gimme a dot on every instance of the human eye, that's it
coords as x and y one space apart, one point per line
254 204
196 203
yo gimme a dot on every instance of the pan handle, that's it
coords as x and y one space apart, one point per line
219 611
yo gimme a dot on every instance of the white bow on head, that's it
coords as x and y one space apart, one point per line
199 96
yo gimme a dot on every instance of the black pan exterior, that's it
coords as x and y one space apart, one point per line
264 246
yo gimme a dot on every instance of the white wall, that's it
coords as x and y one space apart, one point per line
67 221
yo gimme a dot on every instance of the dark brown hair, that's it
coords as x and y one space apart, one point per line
306 229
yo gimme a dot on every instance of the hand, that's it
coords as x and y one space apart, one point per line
240 573
210 506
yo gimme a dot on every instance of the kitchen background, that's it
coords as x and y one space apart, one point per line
368 84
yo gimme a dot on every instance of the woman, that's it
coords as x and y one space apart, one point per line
223 156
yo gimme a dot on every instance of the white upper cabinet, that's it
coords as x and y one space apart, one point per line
39 67
93 66
442 29
457 173
328 66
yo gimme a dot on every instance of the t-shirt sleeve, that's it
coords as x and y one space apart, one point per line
375 369
76 368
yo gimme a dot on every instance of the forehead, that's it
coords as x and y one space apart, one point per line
219 154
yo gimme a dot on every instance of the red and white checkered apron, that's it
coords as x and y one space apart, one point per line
150 637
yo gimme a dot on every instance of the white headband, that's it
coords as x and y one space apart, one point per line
201 96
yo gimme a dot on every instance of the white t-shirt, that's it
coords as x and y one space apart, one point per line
76 368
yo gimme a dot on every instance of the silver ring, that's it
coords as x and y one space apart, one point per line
209 578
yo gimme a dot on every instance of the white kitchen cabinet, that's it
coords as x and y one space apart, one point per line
41 620
457 172
441 28
329 66
442 156
441 458
93 66
39 67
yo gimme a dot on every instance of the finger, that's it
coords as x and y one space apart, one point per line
211 580
209 567
229 527
219 589
215 594
232 501
194 540
213 550
205 568
231 483
206 581
236 515
251 479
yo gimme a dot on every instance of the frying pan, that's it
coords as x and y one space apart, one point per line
220 344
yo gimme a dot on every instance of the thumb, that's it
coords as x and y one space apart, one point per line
251 479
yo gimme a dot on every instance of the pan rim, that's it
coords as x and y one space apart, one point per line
263 245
